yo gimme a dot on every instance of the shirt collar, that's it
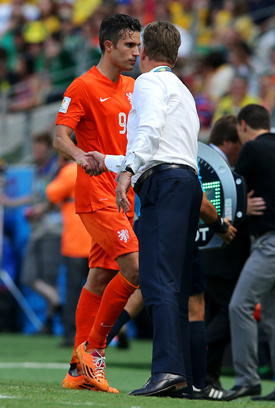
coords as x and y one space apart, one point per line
218 150
161 66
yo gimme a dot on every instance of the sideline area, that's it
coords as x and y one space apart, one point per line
32 369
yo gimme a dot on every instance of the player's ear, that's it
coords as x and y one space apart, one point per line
243 125
142 54
108 46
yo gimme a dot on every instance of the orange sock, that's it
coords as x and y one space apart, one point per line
113 301
86 312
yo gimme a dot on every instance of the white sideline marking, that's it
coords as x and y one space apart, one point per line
55 366
4 396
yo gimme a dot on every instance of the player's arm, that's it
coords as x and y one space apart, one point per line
221 226
66 147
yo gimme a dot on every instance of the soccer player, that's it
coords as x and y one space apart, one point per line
96 107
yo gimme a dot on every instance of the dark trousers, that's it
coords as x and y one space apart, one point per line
170 207
76 271
217 299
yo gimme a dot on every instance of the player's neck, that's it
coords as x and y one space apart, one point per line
109 70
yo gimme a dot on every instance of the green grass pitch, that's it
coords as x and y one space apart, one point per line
32 369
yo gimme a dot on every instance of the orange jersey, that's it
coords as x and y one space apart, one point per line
75 241
97 110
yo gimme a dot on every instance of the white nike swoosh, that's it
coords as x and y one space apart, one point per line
105 325
103 100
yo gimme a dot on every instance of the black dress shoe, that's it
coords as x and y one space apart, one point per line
209 392
159 383
268 397
245 391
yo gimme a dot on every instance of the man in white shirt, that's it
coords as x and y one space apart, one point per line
161 163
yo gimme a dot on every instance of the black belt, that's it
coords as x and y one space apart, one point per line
157 169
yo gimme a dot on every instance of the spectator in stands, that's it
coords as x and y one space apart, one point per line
35 36
68 34
60 67
193 17
267 95
75 243
16 8
217 75
237 98
205 106
87 52
265 42
260 10
49 16
272 63
7 78
27 92
13 40
142 11
42 259
246 65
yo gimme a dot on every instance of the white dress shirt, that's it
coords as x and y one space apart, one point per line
163 125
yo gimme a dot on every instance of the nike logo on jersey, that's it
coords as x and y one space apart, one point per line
103 100
105 325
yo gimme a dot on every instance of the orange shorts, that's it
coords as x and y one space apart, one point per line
112 235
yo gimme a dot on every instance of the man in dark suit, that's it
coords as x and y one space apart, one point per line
256 283
223 266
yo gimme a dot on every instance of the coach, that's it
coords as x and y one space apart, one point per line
161 159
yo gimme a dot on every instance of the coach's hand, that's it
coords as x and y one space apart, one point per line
123 186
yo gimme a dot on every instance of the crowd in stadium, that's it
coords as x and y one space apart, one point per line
45 44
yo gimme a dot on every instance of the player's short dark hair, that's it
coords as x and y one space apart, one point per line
224 129
255 116
114 27
161 40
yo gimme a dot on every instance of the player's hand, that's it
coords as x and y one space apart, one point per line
88 164
255 205
229 235
123 186
99 158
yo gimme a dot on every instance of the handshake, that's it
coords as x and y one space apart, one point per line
93 164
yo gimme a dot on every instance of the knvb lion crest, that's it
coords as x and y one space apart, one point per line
129 97
123 235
